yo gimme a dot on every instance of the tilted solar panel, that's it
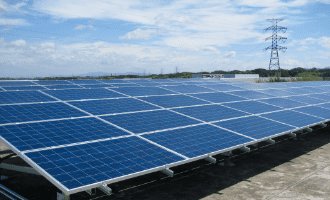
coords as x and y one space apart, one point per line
223 87
306 99
188 89
12 97
52 82
253 107
170 101
24 88
315 111
282 102
218 97
61 87
16 83
251 94
142 91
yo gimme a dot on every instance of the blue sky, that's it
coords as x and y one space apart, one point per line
65 37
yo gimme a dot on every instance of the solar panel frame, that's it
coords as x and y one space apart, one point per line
16 83
24 88
19 97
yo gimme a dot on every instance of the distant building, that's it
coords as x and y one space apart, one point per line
241 76
206 75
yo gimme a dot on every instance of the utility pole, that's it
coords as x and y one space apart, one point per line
176 69
274 59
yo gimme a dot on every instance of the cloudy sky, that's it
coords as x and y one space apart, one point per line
65 37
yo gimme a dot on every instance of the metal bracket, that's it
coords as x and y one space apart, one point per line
309 129
323 125
292 134
91 191
244 148
271 141
104 188
168 172
211 159
228 153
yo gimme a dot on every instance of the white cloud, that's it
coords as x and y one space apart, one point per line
303 48
324 1
80 27
140 34
14 22
231 54
324 41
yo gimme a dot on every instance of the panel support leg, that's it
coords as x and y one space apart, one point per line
63 196
168 172
227 162
211 159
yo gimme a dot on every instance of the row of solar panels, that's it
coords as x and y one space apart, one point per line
79 138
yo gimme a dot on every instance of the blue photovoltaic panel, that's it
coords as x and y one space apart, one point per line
251 86
255 127
325 88
210 113
86 164
284 103
297 91
150 121
223 87
188 89
313 89
198 140
275 92
52 82
11 97
77 94
113 81
24 88
171 101
47 134
125 85
218 97
36 112
325 105
61 87
142 91
253 107
163 80
293 118
149 84
109 106
85 81
273 85
251 94
16 83
96 85
325 96
193 83
306 99
315 111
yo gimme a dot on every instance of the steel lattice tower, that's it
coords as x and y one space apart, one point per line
274 59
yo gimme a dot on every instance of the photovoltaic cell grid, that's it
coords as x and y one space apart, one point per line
86 164
125 85
16 83
210 113
188 89
218 97
85 81
197 140
54 133
325 105
251 94
325 96
276 92
150 121
142 91
315 111
171 101
61 87
52 82
223 87
255 127
253 107
12 97
36 112
24 88
96 85
306 99
110 106
282 102
77 94
293 118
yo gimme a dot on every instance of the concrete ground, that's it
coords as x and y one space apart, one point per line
290 169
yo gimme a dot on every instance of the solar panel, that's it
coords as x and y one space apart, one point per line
150 84
251 86
96 85
306 99
273 85
11 97
293 118
198 140
223 87
113 81
86 164
325 96
24 88
210 113
54 133
16 83
297 91
251 94
275 92
282 102
36 112
255 127
52 82
150 121
173 101
124 85
77 94
61 87
325 105
84 81
188 89
313 89
142 91
218 97
315 111
253 107
110 106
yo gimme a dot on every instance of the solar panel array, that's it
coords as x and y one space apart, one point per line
80 134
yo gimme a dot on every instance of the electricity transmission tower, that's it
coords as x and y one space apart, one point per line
274 59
